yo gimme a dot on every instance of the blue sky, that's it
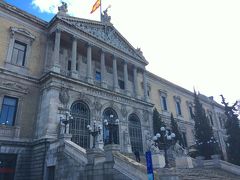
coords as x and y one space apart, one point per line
191 43
27 6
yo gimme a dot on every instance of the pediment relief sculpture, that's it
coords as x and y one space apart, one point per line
106 33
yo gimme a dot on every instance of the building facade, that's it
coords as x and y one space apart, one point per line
86 68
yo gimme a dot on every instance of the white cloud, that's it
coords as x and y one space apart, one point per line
77 8
46 6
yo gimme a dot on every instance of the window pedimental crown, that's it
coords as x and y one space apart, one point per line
162 92
189 104
23 32
177 98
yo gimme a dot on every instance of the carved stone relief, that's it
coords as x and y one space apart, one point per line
145 115
97 109
107 34
64 96
124 112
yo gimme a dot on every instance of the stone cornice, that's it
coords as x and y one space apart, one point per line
13 74
88 37
95 42
22 14
96 90
181 89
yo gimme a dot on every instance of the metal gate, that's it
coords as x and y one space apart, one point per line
78 125
135 133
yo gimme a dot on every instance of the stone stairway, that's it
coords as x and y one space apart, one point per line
132 156
191 174
197 174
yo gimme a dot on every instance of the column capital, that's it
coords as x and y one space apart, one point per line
74 38
88 45
102 51
58 30
114 56
125 61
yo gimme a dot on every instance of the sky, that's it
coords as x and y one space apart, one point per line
192 43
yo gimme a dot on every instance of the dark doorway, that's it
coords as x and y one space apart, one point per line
7 166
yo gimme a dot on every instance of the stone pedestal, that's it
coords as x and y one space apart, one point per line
95 156
109 151
65 137
184 162
199 161
74 74
158 160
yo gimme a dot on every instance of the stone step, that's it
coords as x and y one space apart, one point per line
210 173
132 156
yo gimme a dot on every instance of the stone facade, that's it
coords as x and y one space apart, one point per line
72 61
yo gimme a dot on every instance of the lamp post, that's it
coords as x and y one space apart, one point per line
111 124
65 120
167 138
94 131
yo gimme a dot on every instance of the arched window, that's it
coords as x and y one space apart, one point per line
78 125
135 133
110 132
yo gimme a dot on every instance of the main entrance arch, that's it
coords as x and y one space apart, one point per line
110 135
78 125
135 132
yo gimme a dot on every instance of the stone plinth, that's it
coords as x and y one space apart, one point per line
66 137
200 161
95 156
184 162
109 150
158 160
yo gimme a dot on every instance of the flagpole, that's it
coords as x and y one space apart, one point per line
100 10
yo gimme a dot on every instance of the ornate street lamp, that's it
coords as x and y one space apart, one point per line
111 125
94 131
65 120
164 139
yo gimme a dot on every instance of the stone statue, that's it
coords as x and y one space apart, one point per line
63 8
105 17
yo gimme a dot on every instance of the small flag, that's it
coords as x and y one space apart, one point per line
96 5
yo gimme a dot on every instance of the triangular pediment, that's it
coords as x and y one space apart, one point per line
106 33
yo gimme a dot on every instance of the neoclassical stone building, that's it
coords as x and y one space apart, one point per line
86 68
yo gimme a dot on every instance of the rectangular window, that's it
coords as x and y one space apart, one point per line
50 172
98 76
69 65
184 139
178 106
211 119
191 112
19 53
164 103
121 84
8 112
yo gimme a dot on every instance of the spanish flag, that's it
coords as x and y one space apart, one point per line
96 5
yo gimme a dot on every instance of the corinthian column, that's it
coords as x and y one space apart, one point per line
115 76
74 58
145 85
135 81
55 57
89 64
103 70
126 78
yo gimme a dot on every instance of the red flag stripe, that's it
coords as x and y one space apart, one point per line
96 5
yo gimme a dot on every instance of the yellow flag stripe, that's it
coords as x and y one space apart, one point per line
96 5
